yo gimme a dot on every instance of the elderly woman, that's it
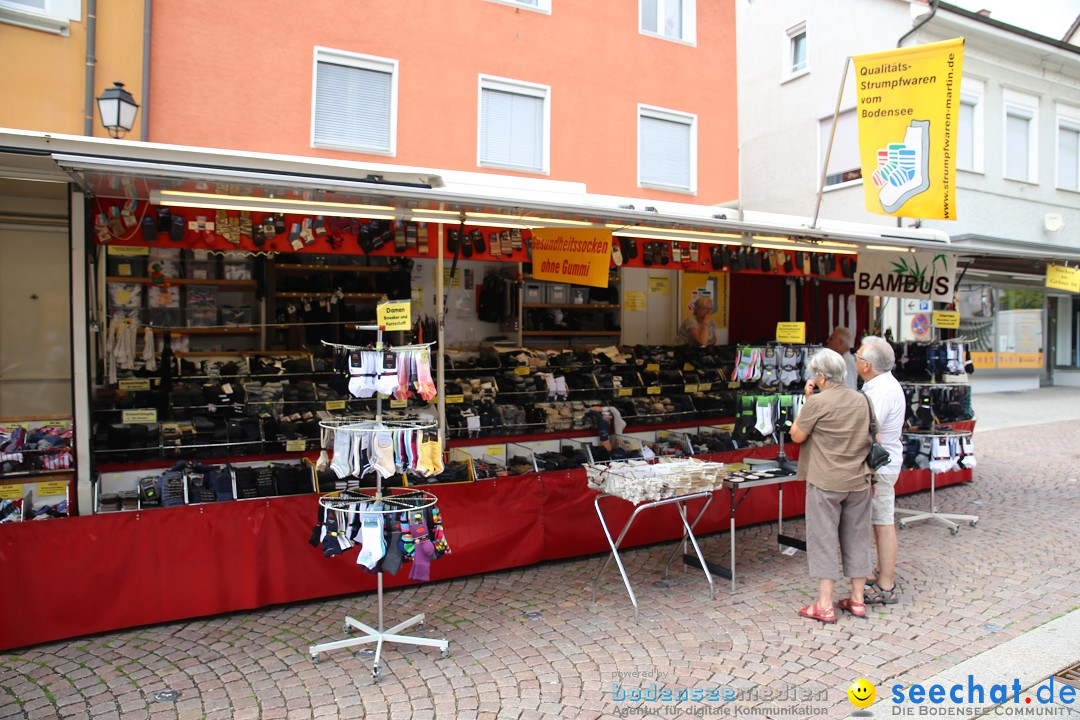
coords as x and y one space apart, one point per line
698 329
834 428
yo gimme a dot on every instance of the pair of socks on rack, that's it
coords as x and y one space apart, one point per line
401 373
422 540
360 451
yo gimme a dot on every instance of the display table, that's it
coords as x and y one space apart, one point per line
126 569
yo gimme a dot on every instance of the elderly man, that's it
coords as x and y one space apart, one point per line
840 342
874 362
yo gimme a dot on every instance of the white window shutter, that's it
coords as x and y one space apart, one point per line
512 130
353 107
664 152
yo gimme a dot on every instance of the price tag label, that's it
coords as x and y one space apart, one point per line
626 392
138 416
335 405
295 445
124 269
687 367
127 250
704 387
690 389
10 492
654 390
947 320
395 403
135 385
495 450
58 487
455 399
652 367
791 332
521 371
733 385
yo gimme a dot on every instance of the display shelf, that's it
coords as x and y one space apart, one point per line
237 330
588 432
573 306
347 296
237 284
335 268
17 478
572 333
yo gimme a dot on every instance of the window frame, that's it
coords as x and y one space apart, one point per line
689 22
822 147
516 87
55 18
655 112
975 91
542 6
1069 117
788 60
359 61
1023 105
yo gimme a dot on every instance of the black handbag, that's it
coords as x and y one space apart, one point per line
878 456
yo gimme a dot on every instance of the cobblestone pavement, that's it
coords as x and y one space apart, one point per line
960 596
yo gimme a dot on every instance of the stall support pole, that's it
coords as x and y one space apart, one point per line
828 151
440 322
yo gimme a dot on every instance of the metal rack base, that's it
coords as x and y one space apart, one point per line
946 519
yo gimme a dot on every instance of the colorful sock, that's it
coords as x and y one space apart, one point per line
424 549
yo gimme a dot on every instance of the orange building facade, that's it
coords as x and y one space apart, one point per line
249 76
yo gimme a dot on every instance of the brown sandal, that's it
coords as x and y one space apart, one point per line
813 612
850 606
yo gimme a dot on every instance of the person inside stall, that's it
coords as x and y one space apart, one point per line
698 329
834 430
840 342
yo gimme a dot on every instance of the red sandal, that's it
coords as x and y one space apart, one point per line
850 606
813 612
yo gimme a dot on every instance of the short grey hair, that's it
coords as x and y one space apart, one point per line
879 353
841 330
829 363
700 301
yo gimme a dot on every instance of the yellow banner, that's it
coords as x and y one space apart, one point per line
395 315
1063 278
946 320
571 255
909 112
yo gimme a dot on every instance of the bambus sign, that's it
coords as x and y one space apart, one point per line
922 275
576 256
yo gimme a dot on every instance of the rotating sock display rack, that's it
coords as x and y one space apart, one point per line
385 503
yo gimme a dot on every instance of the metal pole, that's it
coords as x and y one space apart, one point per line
828 151
440 320
144 124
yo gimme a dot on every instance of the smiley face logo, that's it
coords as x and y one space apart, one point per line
862 693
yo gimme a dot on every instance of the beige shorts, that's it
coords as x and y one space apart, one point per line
884 502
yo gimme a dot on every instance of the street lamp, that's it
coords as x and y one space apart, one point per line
117 109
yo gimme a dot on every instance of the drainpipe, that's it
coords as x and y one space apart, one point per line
91 45
144 125
926 18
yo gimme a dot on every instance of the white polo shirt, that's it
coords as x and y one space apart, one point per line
890 408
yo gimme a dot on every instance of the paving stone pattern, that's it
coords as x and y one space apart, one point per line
1016 570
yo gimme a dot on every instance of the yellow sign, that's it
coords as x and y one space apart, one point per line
395 403
521 371
1063 278
455 399
10 492
495 450
654 390
659 285
447 282
983 360
909 119
1019 361
335 405
395 315
626 392
947 320
634 300
45 489
690 389
652 367
704 387
295 445
580 256
138 416
134 385
126 250
687 367
791 332
124 269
